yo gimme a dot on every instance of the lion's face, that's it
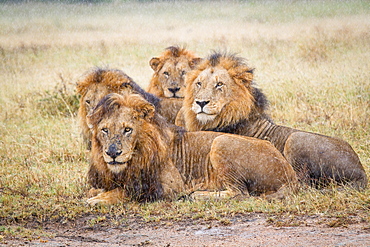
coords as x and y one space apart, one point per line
169 72
218 93
116 128
214 90
171 76
117 136
211 93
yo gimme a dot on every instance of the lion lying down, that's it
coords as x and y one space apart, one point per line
137 155
220 96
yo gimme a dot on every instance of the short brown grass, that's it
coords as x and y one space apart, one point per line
311 60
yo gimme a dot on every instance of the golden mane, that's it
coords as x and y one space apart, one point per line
111 78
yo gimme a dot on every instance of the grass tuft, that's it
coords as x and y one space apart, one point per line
62 101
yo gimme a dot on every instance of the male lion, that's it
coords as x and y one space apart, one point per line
95 85
138 155
220 97
168 80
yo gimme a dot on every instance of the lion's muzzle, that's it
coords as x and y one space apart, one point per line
174 92
202 104
204 110
113 151
116 158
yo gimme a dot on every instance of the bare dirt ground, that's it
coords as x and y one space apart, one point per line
242 230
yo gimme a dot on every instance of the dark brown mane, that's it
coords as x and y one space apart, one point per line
175 50
215 58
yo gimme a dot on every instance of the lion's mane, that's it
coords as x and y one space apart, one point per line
140 180
114 81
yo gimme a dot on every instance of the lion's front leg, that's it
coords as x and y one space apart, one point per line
110 197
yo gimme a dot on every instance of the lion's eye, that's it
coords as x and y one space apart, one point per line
219 85
166 74
199 84
127 130
183 73
87 102
105 130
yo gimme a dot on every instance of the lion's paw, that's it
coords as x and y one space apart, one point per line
109 197
94 192
95 200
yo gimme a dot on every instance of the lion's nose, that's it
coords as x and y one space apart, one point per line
202 103
174 90
113 151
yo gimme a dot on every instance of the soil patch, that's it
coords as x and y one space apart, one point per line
242 230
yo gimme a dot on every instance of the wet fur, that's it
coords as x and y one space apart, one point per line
168 161
173 58
316 158
99 82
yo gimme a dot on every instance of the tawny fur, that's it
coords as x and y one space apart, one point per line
220 96
136 151
99 82
168 79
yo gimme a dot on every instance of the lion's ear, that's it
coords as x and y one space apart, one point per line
80 88
194 62
95 117
89 121
146 110
154 63
246 76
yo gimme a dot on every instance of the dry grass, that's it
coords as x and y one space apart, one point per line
312 60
